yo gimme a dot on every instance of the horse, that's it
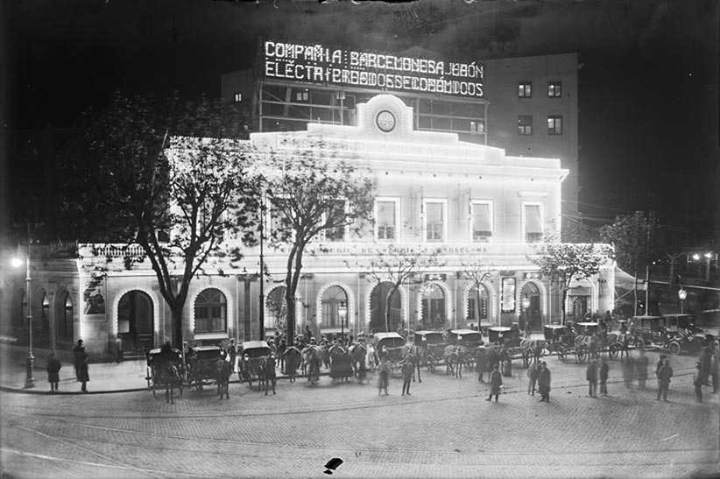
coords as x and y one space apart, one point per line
167 375
411 354
358 354
340 363
455 359
371 359
223 371
311 358
293 358
266 373
532 349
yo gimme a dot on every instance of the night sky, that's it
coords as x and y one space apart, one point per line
648 67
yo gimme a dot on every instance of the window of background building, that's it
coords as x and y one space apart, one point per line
477 126
481 221
555 89
554 125
435 221
525 125
336 212
303 95
532 223
525 89
210 311
386 219
238 97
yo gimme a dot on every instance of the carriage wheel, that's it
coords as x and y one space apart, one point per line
431 364
581 355
674 347
561 353
613 350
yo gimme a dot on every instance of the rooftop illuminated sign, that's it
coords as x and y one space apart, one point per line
322 65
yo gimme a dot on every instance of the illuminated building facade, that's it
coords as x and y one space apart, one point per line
527 106
473 202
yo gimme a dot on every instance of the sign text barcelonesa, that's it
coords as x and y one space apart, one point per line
318 64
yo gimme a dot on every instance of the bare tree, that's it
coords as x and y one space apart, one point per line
178 197
398 264
312 196
476 271
565 262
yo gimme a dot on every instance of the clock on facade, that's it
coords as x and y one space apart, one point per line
385 121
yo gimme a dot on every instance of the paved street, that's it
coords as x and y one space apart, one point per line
445 429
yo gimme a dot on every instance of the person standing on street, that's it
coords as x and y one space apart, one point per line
83 375
604 371
78 355
665 372
591 375
641 369
715 369
532 374
384 376
480 363
407 374
53 370
544 382
495 384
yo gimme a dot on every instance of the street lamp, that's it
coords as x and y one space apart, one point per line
342 314
17 262
682 294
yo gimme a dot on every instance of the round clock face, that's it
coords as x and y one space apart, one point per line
385 121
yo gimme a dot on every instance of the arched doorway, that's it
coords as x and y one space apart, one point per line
334 314
378 302
433 306
478 305
210 312
276 312
135 322
579 308
530 313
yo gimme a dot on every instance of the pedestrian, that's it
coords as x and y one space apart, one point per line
641 369
232 353
544 382
384 376
83 375
282 347
604 371
53 370
664 373
407 374
495 384
480 362
532 374
78 355
660 363
308 333
591 375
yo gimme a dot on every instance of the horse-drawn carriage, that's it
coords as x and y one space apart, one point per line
389 346
559 340
430 347
466 342
510 344
201 365
165 370
591 340
341 362
257 363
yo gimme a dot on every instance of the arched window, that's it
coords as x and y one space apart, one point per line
333 298
433 306
211 312
477 297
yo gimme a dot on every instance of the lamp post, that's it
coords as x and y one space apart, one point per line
342 314
682 294
17 262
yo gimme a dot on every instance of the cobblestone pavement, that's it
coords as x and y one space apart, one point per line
444 429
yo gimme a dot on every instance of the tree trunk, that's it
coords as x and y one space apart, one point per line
477 303
388 302
177 325
294 267
562 306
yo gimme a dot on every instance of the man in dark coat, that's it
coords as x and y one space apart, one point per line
604 372
544 382
533 374
78 357
480 362
495 384
591 375
53 370
664 373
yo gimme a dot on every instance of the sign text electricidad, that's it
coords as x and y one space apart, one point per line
318 64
